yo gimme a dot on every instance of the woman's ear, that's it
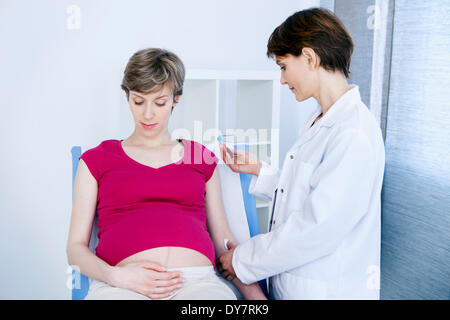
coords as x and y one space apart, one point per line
176 99
312 59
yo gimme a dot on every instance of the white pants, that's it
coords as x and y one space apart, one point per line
202 283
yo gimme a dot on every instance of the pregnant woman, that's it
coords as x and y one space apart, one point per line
160 214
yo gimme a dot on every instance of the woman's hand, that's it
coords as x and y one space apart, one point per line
147 278
242 161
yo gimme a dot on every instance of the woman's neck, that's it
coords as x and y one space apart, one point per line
149 142
332 86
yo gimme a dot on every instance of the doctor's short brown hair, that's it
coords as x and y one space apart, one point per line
148 70
318 29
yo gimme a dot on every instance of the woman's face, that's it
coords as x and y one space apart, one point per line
151 112
299 74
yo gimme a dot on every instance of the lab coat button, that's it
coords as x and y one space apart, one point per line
282 190
292 157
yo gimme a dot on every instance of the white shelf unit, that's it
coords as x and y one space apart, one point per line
210 103
239 102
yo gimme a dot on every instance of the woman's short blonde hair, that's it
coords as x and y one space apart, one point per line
150 69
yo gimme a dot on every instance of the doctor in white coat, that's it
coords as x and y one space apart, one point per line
324 231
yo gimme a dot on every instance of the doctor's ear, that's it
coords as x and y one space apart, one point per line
312 59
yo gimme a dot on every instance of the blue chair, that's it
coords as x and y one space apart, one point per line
80 282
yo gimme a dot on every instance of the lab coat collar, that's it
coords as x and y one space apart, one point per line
333 115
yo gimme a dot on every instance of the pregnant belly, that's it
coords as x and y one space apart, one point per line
169 257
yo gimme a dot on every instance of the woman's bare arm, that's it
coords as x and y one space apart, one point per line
83 211
220 230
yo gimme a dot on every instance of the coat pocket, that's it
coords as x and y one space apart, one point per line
300 185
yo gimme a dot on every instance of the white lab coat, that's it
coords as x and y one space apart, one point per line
324 242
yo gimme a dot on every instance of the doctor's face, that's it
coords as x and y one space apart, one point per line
298 74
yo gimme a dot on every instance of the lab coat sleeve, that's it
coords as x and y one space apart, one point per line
264 184
341 188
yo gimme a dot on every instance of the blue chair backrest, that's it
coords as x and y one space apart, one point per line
80 282
250 210
249 201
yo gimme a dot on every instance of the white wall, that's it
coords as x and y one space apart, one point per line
61 87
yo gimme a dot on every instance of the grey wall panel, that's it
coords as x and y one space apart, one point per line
416 192
370 25
353 14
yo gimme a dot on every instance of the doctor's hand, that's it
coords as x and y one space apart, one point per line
225 267
241 161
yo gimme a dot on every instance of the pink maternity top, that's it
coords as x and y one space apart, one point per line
140 207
